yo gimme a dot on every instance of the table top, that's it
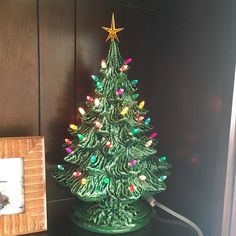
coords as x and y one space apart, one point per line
59 224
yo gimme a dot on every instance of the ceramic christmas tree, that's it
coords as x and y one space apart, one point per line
111 159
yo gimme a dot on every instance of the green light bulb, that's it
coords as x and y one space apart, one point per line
147 121
134 82
80 136
99 85
93 158
162 158
94 78
135 131
162 178
106 180
136 95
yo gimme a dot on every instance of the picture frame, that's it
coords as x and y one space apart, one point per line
26 211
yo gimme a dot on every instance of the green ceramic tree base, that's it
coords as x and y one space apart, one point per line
81 217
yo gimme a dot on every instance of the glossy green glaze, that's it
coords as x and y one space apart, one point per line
111 156
113 219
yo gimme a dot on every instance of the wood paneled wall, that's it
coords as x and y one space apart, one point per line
19 72
49 49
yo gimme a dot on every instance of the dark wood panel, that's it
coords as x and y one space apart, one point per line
195 99
18 68
91 47
150 5
57 53
57 50
139 43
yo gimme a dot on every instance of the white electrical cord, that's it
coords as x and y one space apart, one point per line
153 202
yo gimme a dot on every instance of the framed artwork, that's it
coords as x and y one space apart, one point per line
22 186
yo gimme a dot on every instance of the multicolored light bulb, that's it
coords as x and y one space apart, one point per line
83 181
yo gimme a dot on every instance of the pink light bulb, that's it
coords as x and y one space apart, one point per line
120 91
68 150
128 60
133 162
139 118
124 68
153 135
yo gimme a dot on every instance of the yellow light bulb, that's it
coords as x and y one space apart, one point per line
96 102
83 181
81 110
141 104
73 127
124 111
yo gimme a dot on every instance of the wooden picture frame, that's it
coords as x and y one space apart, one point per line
33 218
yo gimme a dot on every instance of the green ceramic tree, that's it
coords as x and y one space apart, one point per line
111 157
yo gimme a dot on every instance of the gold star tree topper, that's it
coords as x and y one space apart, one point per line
112 31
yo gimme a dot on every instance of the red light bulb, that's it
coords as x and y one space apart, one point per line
89 99
109 144
68 141
77 174
132 188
